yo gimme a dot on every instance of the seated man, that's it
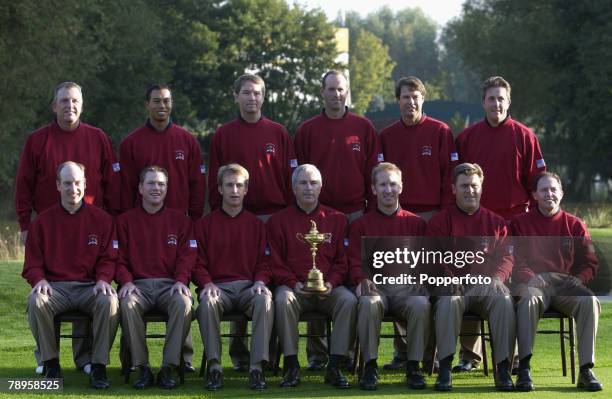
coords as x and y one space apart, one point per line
156 255
70 261
469 219
231 273
290 262
552 273
389 219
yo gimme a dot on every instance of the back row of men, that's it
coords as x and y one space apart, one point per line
342 145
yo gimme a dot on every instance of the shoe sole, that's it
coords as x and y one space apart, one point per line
582 386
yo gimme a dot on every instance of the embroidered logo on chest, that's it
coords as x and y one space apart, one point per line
92 239
353 143
179 155
270 148
426 150
172 239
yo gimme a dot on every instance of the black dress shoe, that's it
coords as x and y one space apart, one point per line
145 379
97 378
316 365
52 368
241 367
214 380
444 382
334 376
465 365
588 381
503 379
257 380
165 379
188 368
414 378
291 377
524 383
396 364
369 379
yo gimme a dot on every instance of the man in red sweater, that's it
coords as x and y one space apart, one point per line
265 149
493 301
553 272
64 139
69 262
160 142
510 156
157 252
290 260
345 148
424 150
389 219
233 276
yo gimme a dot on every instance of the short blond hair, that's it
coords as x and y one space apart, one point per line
385 167
232 169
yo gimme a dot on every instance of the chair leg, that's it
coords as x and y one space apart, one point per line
562 345
203 363
483 343
572 352
278 353
125 358
434 353
329 331
356 366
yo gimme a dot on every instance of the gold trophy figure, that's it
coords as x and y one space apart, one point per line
315 282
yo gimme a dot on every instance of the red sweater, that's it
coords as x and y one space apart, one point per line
158 245
377 224
290 258
230 249
345 151
426 155
50 146
572 253
510 157
71 247
178 152
489 232
264 148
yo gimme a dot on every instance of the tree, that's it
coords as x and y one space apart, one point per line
370 67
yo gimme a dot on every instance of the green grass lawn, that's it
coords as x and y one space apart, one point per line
16 360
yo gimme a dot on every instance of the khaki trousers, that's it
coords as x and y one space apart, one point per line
340 304
415 310
72 295
155 294
236 295
584 309
499 310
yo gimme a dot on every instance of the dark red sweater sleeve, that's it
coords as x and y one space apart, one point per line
374 157
107 260
187 253
200 275
448 160
339 270
24 185
123 274
585 261
111 177
197 181
129 175
214 160
34 265
283 275
354 252
262 268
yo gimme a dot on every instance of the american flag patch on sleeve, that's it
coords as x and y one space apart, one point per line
293 163
346 242
267 251
203 169
454 156
380 158
116 167
540 163
115 244
193 244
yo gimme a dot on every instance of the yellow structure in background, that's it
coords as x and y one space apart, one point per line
342 46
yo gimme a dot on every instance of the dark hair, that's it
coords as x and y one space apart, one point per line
154 87
542 175
412 82
249 77
332 72
467 169
495 81
152 169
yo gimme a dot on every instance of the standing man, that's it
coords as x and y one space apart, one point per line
290 262
509 154
424 149
345 148
233 276
64 139
553 273
264 148
469 219
389 219
157 252
161 142
70 262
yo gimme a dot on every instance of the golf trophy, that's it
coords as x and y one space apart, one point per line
315 282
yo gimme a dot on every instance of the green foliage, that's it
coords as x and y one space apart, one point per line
370 68
557 56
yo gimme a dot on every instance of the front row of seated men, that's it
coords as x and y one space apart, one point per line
72 255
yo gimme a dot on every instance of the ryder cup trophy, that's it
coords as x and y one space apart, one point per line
315 282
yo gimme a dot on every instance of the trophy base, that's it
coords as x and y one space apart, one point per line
314 289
